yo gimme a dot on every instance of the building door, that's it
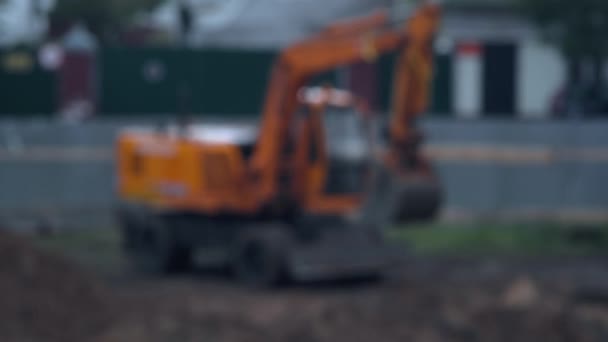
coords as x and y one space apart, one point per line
441 101
499 75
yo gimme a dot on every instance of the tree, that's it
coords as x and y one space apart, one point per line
105 18
578 28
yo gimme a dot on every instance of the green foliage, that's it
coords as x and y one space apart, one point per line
104 17
98 249
579 28
505 239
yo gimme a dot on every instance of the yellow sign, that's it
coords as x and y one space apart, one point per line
18 62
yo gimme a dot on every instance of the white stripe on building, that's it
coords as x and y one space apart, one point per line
468 81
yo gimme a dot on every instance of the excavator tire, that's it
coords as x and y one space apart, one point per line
153 248
260 257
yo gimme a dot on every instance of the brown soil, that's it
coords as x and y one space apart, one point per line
492 310
44 298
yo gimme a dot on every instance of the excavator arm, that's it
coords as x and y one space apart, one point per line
411 88
341 44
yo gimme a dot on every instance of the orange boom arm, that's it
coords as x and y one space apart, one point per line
341 44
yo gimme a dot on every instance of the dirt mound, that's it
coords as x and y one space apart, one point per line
44 298
516 309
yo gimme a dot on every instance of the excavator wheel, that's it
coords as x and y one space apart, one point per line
154 250
260 258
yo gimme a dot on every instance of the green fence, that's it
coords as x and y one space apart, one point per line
156 81
225 82
167 81
25 87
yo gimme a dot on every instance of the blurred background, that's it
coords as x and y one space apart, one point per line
518 129
516 123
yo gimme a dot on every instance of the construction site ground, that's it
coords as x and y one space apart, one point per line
78 287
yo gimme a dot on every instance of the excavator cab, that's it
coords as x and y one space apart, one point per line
349 174
348 145
333 151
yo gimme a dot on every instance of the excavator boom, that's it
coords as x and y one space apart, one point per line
343 44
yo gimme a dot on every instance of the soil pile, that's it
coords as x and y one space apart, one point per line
515 309
44 298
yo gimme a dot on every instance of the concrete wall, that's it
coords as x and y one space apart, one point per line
488 167
522 168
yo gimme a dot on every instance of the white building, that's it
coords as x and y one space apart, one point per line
498 64
538 70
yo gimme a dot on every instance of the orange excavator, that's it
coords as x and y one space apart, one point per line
304 195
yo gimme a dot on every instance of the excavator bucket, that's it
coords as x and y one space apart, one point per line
396 201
